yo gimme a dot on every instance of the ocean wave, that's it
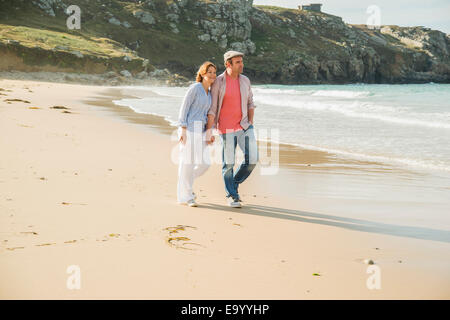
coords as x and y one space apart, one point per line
389 114
341 93
316 93
173 92
268 91
124 103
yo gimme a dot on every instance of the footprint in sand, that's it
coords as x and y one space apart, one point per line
114 235
69 203
109 236
178 228
62 107
180 242
30 232
59 107
234 223
14 248
16 100
45 244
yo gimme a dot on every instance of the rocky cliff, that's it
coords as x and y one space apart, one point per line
281 45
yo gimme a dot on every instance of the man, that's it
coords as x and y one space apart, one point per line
232 110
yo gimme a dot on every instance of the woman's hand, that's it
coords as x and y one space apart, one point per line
183 136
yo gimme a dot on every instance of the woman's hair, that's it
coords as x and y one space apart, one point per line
204 69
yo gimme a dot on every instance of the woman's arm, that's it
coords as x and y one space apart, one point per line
184 110
209 125
185 106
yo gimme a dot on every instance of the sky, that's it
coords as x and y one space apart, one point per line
434 14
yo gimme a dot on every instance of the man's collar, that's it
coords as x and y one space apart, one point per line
225 73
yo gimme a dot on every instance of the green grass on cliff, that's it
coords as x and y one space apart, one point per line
48 40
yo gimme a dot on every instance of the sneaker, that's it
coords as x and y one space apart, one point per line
192 203
234 203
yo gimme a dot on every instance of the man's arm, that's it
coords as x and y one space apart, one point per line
251 113
212 112
209 125
210 122
250 104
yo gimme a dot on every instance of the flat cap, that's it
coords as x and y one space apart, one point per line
231 54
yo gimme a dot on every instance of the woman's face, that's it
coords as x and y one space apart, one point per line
210 75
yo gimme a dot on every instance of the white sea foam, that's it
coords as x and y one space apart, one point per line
364 110
265 91
341 93
317 93
132 105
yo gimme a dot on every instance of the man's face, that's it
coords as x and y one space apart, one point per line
237 65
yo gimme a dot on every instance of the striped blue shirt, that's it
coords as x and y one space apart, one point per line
195 107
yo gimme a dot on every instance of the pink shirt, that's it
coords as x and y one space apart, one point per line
231 113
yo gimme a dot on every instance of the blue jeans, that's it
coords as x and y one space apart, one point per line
247 143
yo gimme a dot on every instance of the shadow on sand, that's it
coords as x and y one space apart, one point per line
340 222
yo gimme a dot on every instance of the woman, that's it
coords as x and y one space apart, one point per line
194 151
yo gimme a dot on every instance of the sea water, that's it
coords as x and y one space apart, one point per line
406 125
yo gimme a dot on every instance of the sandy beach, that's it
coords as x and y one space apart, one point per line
94 186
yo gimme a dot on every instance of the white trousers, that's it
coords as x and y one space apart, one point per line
194 160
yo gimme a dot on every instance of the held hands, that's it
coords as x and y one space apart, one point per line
183 136
209 137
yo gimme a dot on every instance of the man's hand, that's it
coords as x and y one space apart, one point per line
251 115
